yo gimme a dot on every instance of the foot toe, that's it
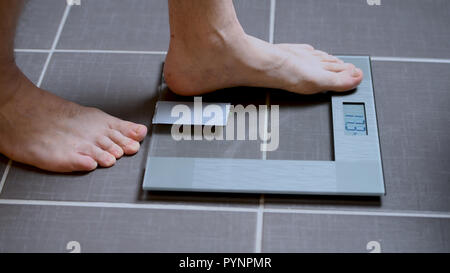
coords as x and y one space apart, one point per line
108 145
103 158
330 59
83 163
128 145
345 80
132 130
317 52
307 46
334 67
296 48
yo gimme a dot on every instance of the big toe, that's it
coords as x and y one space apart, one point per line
344 79
131 130
83 163
69 162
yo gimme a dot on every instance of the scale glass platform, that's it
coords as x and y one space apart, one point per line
355 170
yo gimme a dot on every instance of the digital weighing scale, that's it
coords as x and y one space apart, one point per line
356 169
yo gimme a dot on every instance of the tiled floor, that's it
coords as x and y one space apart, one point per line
42 229
107 211
399 28
284 232
39 23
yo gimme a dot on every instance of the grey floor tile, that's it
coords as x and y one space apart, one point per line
284 232
413 119
254 17
118 25
31 64
140 24
51 228
39 23
124 85
401 28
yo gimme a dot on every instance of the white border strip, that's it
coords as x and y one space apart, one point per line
412 60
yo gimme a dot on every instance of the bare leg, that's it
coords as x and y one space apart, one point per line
43 130
209 50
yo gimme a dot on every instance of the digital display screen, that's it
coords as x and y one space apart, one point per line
355 119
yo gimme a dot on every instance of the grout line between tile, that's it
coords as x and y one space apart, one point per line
259 225
29 50
260 212
123 205
111 51
5 174
260 209
445 215
373 58
90 51
44 69
272 20
55 42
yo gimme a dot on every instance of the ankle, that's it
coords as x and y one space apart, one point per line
209 37
10 82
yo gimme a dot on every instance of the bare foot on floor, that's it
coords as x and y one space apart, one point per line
46 131
231 58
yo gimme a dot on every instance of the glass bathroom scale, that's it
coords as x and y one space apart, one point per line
356 168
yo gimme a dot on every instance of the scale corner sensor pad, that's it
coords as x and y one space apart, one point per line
355 170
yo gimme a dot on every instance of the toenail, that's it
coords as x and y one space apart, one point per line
93 165
116 153
110 159
356 72
133 144
139 130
